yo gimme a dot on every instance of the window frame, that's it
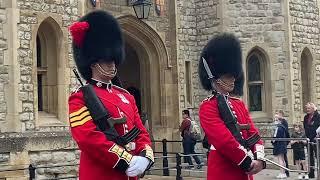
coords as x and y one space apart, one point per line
54 49
261 82
188 84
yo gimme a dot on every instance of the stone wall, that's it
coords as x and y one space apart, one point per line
55 164
31 16
4 69
187 43
54 155
262 24
304 24
198 22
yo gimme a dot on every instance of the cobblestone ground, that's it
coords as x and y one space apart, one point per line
264 175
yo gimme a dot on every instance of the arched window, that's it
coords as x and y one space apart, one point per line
49 71
256 81
306 63
188 84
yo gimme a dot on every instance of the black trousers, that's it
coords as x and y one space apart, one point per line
313 155
287 164
188 148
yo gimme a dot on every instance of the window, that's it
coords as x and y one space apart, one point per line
306 63
256 81
47 70
41 72
50 71
188 83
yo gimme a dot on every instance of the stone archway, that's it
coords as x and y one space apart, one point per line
148 51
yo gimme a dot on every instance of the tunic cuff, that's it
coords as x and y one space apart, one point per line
259 153
148 153
124 157
246 163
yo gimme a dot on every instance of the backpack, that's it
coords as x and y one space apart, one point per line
194 130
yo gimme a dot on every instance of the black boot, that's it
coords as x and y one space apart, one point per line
287 173
311 173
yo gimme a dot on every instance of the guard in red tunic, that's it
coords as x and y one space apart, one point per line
103 117
225 119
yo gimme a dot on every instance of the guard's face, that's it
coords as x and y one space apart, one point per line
106 70
109 67
226 82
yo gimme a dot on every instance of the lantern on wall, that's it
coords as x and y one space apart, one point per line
141 8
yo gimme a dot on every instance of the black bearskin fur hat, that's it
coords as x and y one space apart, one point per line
96 37
223 55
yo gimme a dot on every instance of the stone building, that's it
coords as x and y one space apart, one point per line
280 40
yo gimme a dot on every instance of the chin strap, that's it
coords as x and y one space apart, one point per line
110 74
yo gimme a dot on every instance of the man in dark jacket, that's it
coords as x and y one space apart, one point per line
311 122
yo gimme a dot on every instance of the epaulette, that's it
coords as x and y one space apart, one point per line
235 98
208 98
75 89
120 89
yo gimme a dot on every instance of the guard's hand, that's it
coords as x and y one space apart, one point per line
137 166
255 167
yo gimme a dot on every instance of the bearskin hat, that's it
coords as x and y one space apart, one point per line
223 55
96 37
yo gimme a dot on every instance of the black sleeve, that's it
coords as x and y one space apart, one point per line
279 132
318 120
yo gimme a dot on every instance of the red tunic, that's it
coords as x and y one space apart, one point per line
226 155
100 158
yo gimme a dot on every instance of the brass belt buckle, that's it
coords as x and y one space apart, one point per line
131 146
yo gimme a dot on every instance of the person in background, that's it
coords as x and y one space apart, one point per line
187 141
285 123
311 122
298 150
280 147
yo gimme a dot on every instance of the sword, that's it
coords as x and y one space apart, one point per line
283 167
206 67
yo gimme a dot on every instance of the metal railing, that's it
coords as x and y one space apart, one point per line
290 139
318 157
165 162
166 155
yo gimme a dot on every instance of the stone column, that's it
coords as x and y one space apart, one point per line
11 89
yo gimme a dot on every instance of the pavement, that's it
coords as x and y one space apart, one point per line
267 174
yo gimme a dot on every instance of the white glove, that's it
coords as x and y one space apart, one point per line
137 166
